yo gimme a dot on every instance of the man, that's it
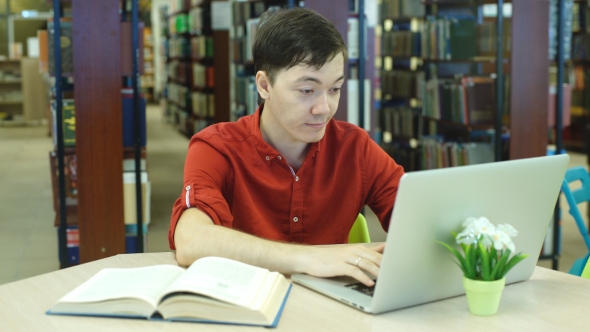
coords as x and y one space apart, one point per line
276 189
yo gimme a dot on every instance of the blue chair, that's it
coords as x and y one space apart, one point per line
360 231
574 198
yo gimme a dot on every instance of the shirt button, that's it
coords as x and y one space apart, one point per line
267 158
295 219
296 178
280 158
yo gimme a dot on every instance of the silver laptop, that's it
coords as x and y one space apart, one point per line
415 269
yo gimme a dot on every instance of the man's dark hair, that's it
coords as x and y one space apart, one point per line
288 37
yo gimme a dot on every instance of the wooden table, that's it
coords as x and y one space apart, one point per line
549 301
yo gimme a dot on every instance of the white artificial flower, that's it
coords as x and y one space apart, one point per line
468 222
508 229
477 230
483 226
502 241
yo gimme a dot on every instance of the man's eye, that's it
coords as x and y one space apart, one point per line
307 92
336 90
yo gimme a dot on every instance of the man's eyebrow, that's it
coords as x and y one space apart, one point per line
313 79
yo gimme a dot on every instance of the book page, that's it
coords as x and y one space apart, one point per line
223 279
147 283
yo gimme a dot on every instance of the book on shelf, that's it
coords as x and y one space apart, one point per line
401 8
565 108
449 38
70 177
68 121
211 290
130 200
480 98
67 57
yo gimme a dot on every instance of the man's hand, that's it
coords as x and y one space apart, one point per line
354 260
196 236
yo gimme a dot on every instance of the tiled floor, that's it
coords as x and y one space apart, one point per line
28 239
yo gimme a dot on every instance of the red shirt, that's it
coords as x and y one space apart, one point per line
241 182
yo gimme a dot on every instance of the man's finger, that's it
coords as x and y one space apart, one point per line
361 276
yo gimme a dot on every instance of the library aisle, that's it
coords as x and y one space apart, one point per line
28 239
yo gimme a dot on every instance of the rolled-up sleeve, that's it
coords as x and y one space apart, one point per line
207 176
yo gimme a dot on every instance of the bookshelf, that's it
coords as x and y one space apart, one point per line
88 163
197 66
20 83
148 77
245 16
438 66
577 71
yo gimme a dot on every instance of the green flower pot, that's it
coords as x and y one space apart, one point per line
483 297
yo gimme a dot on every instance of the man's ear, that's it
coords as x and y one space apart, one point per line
263 84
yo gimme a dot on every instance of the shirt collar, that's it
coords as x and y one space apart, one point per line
267 152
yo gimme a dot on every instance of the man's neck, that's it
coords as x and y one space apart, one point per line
293 151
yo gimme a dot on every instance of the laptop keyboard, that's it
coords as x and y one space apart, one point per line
360 287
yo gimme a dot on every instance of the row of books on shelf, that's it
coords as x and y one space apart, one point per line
196 74
173 7
246 10
178 94
203 76
581 47
201 104
202 47
448 38
401 8
580 104
177 47
128 179
444 38
244 40
467 100
402 84
127 118
581 17
129 210
396 122
401 43
73 242
439 154
186 122
197 21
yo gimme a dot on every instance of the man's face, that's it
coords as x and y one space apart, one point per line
303 99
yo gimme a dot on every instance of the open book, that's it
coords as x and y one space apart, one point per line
212 289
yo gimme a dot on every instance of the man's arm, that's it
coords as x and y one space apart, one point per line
196 236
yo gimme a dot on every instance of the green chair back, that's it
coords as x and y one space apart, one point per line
359 233
586 272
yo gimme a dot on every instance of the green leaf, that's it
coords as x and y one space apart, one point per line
463 246
473 261
500 265
485 262
460 258
512 262
493 258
